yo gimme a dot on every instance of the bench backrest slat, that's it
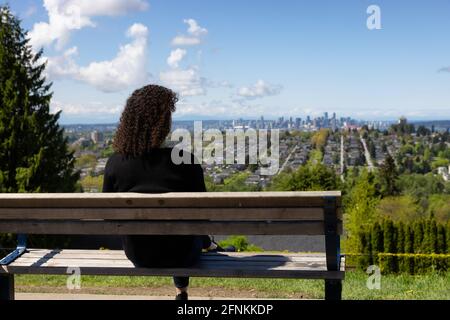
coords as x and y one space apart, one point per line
229 214
165 227
256 213
167 200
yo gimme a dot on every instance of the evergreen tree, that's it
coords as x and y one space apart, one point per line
377 241
33 152
400 227
365 258
447 237
426 237
389 236
433 237
418 236
409 238
310 177
389 245
388 176
441 245
360 207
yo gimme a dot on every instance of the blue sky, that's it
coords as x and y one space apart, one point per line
232 58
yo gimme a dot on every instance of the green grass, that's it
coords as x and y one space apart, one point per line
396 287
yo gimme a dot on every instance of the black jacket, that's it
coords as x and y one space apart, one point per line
155 172
152 173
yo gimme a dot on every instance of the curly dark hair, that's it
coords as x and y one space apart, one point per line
146 120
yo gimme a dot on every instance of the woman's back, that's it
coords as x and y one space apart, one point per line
155 172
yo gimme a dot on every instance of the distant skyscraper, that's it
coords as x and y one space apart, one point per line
96 137
326 123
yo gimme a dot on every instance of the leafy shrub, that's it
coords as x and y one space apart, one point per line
9 241
240 243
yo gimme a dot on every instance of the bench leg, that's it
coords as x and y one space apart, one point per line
333 289
6 287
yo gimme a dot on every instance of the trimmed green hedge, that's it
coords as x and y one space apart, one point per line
413 263
409 263
413 247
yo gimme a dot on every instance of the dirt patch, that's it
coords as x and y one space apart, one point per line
212 292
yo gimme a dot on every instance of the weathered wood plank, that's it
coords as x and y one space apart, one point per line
103 258
162 213
163 227
56 261
239 267
107 252
242 263
174 200
206 257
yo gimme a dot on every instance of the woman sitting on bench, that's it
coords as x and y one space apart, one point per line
140 164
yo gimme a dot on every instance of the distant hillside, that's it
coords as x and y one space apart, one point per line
438 124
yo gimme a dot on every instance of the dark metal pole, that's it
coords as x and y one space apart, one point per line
6 287
333 288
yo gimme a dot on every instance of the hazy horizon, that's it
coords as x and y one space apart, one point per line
250 119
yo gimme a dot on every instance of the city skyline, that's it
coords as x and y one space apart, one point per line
305 58
284 123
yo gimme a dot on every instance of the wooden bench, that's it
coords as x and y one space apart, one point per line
259 213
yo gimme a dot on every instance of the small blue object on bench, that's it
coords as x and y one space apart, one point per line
255 213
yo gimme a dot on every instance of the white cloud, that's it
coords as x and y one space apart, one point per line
194 29
62 66
220 84
137 30
195 34
109 7
185 41
175 57
220 109
85 109
186 82
128 68
259 90
66 16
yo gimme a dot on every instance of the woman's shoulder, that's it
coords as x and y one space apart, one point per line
113 157
164 154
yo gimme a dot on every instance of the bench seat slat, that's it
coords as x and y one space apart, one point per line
145 227
121 253
223 258
204 264
102 262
